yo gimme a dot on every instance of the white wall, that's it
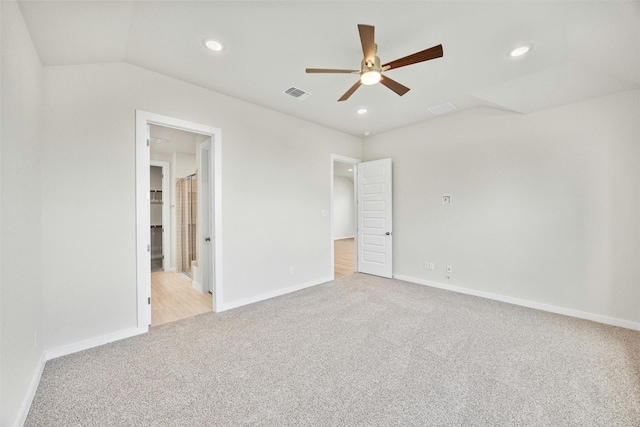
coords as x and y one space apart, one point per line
20 217
275 179
183 165
343 208
545 205
163 157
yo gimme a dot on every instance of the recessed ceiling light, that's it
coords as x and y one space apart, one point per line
213 45
362 111
521 50
366 133
350 170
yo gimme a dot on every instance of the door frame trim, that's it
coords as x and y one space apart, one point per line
352 161
143 257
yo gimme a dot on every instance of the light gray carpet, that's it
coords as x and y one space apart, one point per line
361 351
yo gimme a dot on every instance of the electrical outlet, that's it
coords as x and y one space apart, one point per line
290 270
446 200
449 269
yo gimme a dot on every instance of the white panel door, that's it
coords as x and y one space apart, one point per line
374 218
205 215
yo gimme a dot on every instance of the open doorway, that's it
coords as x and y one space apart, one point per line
178 227
176 283
343 215
372 203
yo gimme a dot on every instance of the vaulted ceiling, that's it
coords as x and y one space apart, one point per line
581 50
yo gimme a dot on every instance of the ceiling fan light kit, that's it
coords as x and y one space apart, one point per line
371 71
370 68
370 77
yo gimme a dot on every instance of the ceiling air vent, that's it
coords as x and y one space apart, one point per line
444 108
297 93
158 140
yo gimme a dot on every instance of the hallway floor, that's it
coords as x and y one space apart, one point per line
344 257
173 298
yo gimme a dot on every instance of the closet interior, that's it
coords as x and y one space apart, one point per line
157 228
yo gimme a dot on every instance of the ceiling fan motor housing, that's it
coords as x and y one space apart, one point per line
369 65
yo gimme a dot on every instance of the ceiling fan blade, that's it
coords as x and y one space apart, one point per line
367 38
394 85
425 55
352 89
330 70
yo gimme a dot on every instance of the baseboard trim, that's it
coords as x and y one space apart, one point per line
197 286
525 303
268 295
93 342
31 392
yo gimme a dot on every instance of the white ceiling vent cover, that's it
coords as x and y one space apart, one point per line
297 93
158 140
443 108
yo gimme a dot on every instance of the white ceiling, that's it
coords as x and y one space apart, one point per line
581 49
342 169
176 140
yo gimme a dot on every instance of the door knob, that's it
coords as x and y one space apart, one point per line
387 233
207 239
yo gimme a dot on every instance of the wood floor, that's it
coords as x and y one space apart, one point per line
344 257
173 298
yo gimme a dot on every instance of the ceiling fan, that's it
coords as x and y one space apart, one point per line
370 68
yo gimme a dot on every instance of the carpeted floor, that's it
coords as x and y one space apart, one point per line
358 351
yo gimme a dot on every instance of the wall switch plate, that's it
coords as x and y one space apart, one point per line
446 200
449 269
